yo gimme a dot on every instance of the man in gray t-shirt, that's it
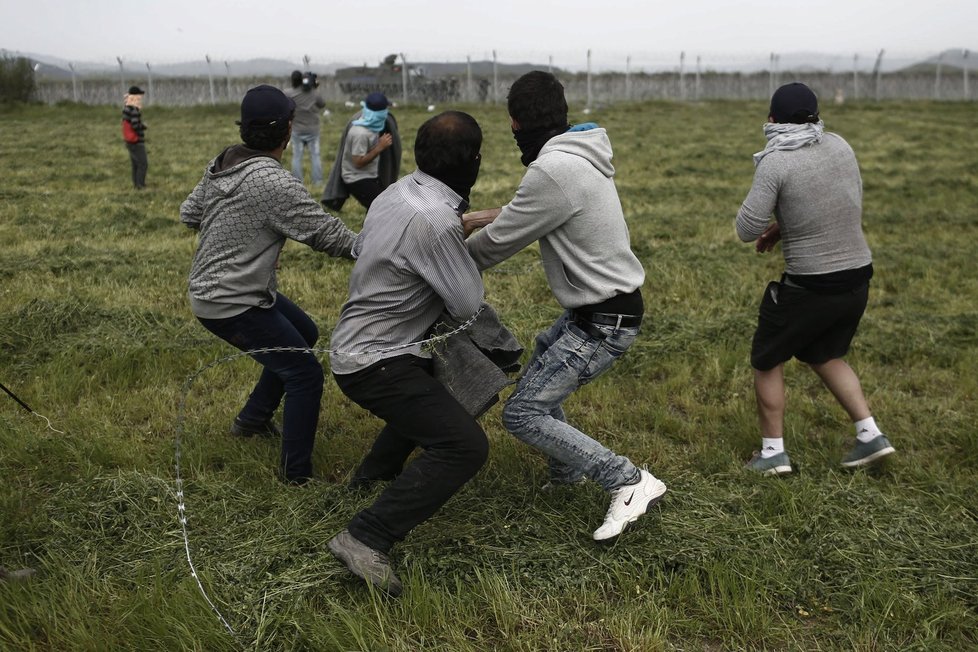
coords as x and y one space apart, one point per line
365 141
809 179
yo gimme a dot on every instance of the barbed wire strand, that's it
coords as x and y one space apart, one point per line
181 419
29 408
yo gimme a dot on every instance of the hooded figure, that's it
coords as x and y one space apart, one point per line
371 139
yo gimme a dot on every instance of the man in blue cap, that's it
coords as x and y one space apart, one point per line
245 207
369 155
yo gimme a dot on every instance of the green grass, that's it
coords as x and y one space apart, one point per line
96 334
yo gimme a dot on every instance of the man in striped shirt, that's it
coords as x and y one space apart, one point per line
412 264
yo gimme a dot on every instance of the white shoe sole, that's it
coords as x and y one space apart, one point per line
778 470
652 500
869 458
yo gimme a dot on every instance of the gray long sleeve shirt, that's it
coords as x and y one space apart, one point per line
411 265
815 193
245 207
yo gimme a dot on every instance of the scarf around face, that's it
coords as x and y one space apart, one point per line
372 120
788 136
531 141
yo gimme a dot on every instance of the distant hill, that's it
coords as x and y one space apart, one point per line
955 58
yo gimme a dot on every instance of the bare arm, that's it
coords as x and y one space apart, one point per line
478 219
385 141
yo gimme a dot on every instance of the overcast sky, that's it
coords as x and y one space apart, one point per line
358 31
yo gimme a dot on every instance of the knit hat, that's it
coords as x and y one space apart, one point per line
377 101
136 90
265 105
795 103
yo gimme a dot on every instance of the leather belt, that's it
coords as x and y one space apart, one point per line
608 319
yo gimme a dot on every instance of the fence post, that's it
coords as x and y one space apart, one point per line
855 76
877 71
937 77
122 76
305 62
74 83
964 69
550 64
697 90
468 79
404 79
495 79
628 78
770 77
227 68
149 84
682 75
210 77
588 105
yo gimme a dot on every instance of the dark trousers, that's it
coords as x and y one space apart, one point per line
365 191
296 375
419 412
137 156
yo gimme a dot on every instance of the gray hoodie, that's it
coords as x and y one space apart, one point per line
245 207
568 201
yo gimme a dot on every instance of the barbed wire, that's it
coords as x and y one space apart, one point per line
181 419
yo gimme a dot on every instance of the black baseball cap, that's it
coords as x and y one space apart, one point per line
136 90
265 105
794 102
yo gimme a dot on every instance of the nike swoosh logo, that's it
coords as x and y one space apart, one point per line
629 501
863 430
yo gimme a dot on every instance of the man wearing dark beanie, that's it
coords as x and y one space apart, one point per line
809 180
245 207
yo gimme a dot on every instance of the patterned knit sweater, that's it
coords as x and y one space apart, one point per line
246 206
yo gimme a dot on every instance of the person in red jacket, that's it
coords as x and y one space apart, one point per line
134 133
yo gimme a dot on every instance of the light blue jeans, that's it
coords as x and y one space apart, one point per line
299 144
565 358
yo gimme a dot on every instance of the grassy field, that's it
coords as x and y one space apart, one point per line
96 334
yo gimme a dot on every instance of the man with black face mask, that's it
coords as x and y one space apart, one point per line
568 202
412 264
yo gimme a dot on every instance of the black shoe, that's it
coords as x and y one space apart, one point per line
365 562
242 429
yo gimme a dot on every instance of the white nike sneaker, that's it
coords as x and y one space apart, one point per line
628 503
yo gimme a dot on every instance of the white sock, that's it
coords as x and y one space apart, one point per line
771 446
867 430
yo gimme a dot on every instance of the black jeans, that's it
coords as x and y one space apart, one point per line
365 191
296 375
419 412
137 156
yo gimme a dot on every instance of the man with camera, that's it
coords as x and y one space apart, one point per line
305 125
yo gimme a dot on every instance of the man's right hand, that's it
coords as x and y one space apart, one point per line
478 219
385 141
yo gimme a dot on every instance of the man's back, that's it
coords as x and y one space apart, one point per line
307 106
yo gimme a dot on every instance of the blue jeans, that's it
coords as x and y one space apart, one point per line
296 375
299 143
565 358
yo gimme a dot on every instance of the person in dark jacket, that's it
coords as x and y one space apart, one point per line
134 133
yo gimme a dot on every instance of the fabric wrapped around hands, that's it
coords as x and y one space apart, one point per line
473 364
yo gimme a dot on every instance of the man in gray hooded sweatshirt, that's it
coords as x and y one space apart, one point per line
568 202
245 207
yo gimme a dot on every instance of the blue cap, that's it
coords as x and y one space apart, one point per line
265 105
377 101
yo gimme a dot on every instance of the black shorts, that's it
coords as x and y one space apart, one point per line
795 322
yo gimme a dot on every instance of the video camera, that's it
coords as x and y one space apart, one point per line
309 80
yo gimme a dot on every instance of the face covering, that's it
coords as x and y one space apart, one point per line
461 178
531 141
372 120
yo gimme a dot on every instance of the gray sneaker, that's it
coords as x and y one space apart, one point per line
864 453
365 562
777 464
21 575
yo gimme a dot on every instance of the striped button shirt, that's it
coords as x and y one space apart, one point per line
411 265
